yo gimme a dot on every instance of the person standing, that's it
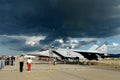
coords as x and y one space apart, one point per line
21 63
29 61
54 61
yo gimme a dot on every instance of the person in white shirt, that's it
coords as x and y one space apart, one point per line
21 62
29 61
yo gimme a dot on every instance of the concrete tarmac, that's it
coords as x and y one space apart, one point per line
58 72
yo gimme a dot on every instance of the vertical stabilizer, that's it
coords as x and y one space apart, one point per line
102 48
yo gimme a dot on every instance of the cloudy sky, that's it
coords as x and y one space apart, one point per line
30 25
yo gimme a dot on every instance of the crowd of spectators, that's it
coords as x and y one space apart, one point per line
8 60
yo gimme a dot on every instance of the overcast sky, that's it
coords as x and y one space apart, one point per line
29 25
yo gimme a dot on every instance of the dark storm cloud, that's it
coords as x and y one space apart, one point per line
59 18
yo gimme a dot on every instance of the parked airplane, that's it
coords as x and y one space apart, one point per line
95 54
